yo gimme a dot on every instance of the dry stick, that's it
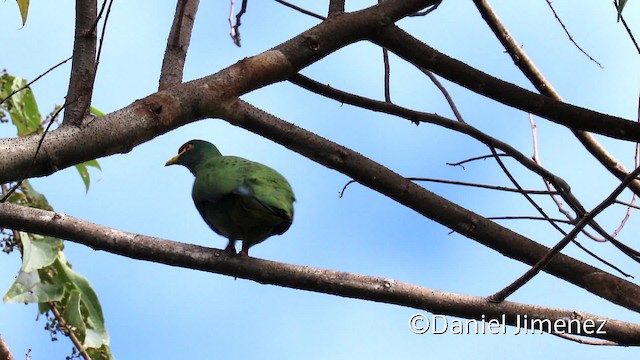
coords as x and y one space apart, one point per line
67 329
624 23
83 68
584 221
528 68
585 341
482 157
178 43
104 30
378 289
444 92
482 186
563 221
297 8
235 28
569 35
34 80
627 204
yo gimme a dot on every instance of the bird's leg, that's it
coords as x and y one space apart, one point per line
231 248
245 249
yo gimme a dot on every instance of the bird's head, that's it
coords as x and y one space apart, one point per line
193 153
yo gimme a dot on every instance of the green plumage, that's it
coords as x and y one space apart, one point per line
238 198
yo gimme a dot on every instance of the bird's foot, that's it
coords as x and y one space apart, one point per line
230 250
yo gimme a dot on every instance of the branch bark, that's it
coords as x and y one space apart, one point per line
178 43
83 68
303 277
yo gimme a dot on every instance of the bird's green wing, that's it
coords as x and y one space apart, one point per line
234 175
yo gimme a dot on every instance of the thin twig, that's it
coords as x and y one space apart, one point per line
565 221
297 8
103 32
34 80
584 221
569 35
624 23
444 92
483 157
63 324
585 341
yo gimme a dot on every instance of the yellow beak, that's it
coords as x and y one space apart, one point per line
174 159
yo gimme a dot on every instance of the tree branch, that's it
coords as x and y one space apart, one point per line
178 43
300 277
83 68
418 53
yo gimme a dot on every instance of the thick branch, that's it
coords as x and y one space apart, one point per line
299 277
83 69
416 52
178 43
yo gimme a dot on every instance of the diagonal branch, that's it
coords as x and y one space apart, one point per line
339 283
178 43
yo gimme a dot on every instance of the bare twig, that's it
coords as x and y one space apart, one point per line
584 221
333 282
482 157
34 80
104 30
528 218
297 8
63 324
235 28
444 92
569 35
624 23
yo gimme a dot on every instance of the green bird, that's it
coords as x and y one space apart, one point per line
238 198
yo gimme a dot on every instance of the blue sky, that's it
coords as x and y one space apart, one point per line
156 311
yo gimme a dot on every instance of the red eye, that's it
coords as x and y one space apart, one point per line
185 147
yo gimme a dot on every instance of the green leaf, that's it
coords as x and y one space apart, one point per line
39 251
21 106
89 305
34 198
27 288
95 111
84 172
24 9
